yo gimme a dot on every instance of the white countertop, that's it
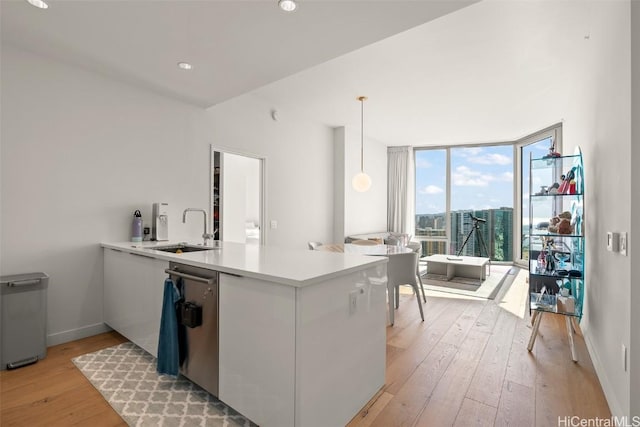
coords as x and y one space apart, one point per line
293 267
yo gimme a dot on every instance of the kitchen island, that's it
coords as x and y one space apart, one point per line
302 334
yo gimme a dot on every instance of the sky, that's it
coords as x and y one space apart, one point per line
481 178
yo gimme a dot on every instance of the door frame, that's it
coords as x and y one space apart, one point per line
263 187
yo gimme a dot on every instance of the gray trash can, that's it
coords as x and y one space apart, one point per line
23 332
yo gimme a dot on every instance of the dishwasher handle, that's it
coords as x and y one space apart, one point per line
190 276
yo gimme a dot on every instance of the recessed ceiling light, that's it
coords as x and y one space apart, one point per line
287 5
185 65
39 4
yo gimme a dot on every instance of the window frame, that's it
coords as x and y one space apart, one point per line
554 131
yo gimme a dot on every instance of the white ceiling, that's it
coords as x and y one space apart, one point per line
235 46
494 71
432 77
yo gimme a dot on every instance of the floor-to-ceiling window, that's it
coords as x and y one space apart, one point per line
533 146
482 201
473 200
431 200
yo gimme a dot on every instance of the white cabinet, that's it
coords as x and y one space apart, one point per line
257 349
290 356
133 290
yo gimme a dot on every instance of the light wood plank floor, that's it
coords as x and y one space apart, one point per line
465 365
53 392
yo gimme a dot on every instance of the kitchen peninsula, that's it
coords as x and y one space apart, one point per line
302 333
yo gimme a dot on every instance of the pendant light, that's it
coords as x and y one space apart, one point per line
287 5
361 182
39 4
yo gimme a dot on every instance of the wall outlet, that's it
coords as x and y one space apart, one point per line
274 224
353 302
623 243
624 357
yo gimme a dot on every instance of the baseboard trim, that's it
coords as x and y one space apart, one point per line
76 334
614 404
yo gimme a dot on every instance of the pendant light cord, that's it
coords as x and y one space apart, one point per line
361 134
362 99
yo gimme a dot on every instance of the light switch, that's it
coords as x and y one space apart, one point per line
274 224
623 243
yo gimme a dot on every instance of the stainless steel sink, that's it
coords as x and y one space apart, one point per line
180 248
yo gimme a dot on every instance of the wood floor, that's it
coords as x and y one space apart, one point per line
53 392
465 365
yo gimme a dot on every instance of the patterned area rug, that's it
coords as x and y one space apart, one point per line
126 376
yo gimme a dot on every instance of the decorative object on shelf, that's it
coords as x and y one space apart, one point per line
556 252
561 223
552 149
562 259
568 185
361 182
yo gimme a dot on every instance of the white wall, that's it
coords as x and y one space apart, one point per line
361 212
634 243
597 118
299 158
79 154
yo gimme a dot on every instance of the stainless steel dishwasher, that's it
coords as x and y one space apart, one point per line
199 315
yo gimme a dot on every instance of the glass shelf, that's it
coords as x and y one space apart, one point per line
567 306
556 261
549 162
554 235
545 197
566 274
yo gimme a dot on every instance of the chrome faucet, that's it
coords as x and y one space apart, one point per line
206 236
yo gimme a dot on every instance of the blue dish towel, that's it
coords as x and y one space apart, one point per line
168 342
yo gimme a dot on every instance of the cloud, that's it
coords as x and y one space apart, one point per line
463 176
541 147
470 151
431 189
423 164
491 159
507 176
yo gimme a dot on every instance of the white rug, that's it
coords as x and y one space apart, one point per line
126 377
468 287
